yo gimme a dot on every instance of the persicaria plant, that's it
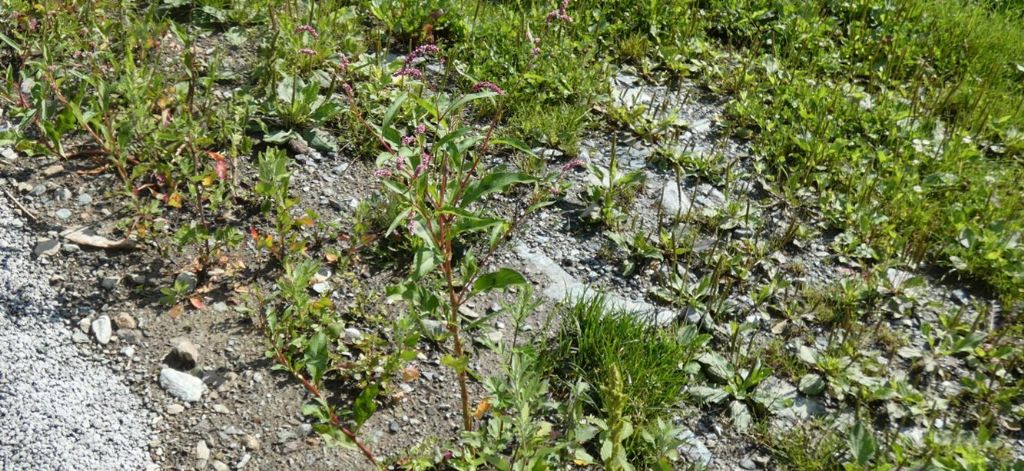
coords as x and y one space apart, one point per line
438 175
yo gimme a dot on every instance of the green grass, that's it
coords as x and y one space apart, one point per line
597 344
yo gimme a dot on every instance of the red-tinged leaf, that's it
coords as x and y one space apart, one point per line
215 155
221 167
410 373
197 302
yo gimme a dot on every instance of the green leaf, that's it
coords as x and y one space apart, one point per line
708 395
501 279
365 405
493 183
717 366
812 384
424 262
316 357
862 443
389 115
740 414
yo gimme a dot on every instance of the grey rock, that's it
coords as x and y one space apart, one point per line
250 442
321 287
63 214
101 329
109 282
8 154
124 321
674 200
188 279
184 353
747 463
694 449
244 461
353 335
432 327
79 337
174 409
202 451
71 248
219 466
46 248
38 190
53 170
181 385
84 199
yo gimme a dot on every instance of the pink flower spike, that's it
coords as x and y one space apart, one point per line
424 164
382 173
571 165
408 140
488 86
409 72
307 51
308 29
420 130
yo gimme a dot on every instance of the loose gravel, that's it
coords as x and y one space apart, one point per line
58 409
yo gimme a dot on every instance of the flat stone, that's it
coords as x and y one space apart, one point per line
84 199
202 451
46 248
8 153
109 282
53 170
63 214
564 286
219 466
674 200
174 409
101 329
124 321
181 385
250 442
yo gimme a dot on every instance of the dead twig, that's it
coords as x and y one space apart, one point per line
20 206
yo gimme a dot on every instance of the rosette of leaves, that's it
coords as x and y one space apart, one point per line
738 387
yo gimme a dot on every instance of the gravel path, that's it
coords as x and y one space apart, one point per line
58 410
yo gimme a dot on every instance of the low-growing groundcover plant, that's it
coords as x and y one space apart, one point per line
886 133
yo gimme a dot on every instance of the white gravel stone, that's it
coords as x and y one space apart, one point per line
181 385
58 410
101 329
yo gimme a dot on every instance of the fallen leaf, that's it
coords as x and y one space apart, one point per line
197 303
410 373
482 408
80 237
176 311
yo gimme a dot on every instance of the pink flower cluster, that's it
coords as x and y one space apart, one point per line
488 86
560 14
308 29
307 51
408 68
571 165
425 159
